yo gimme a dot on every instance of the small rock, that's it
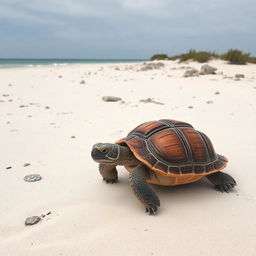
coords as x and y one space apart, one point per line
73 137
44 215
151 100
32 220
209 101
23 106
238 76
191 72
47 107
8 168
190 107
32 177
26 164
9 84
217 93
151 66
5 95
207 70
60 76
117 68
111 98
82 82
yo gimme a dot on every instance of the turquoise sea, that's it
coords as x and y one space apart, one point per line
9 63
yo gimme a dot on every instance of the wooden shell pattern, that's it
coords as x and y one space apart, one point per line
174 148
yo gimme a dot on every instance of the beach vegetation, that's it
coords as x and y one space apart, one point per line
201 56
159 57
234 56
252 60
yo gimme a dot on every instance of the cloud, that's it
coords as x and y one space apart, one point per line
153 24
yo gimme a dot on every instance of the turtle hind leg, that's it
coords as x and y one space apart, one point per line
142 190
222 181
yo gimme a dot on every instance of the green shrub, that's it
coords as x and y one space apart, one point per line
159 57
201 56
234 56
187 56
252 60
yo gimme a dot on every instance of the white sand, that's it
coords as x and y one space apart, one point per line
89 217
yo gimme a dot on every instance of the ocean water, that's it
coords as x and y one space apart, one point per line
9 63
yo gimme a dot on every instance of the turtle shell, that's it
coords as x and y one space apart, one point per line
174 148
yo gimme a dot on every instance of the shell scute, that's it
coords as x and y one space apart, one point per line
168 145
196 144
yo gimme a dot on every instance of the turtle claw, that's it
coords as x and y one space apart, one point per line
111 180
225 187
151 210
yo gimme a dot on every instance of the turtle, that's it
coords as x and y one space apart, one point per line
165 152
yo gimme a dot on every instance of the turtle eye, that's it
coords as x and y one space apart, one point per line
103 149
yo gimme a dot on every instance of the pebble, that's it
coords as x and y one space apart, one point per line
82 82
111 98
26 164
217 93
209 101
8 168
191 72
239 76
32 220
151 100
32 177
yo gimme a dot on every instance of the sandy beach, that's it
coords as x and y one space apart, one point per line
52 115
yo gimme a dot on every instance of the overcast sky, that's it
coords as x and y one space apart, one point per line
124 28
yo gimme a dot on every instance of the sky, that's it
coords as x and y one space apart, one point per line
130 29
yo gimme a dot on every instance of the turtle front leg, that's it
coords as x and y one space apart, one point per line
108 172
222 181
142 190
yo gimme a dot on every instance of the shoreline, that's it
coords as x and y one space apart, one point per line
15 63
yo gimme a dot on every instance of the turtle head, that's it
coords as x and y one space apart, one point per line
105 153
